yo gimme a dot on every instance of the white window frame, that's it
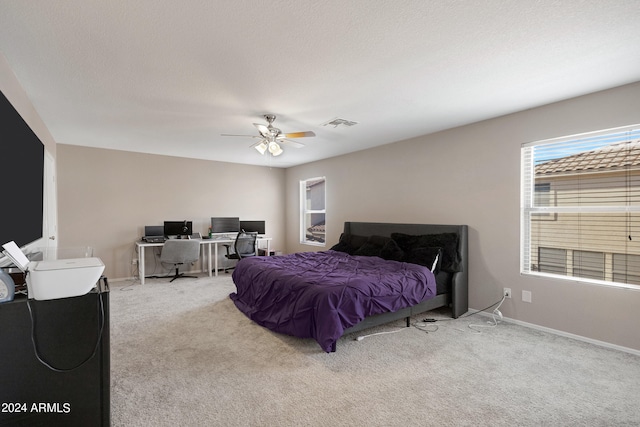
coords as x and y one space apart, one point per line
305 211
532 211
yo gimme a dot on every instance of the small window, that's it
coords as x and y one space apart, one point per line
312 211
552 260
542 197
588 264
542 194
626 268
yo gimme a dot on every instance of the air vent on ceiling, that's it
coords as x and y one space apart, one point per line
337 122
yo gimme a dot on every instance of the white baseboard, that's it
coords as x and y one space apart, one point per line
567 335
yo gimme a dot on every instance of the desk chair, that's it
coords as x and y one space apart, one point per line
179 252
244 246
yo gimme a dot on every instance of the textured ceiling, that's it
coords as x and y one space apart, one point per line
169 77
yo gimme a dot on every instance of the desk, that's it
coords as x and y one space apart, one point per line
203 243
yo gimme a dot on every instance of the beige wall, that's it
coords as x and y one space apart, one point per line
12 89
471 175
106 197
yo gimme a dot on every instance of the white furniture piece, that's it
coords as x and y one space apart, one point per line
206 252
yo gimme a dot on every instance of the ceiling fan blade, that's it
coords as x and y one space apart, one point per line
299 134
249 136
294 144
264 131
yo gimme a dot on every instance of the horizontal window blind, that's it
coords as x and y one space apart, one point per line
580 206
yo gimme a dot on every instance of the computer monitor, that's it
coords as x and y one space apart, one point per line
225 224
249 226
154 230
178 228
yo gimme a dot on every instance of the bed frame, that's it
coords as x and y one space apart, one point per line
457 298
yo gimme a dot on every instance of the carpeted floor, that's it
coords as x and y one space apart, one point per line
182 354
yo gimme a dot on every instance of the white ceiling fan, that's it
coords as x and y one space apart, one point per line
271 137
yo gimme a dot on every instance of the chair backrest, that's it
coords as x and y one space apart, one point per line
178 251
245 245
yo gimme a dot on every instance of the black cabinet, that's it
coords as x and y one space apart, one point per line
71 336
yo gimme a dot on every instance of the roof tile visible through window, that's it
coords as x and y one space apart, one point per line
615 156
318 228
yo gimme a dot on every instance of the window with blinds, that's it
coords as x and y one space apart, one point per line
580 207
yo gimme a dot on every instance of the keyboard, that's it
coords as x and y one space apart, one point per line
154 239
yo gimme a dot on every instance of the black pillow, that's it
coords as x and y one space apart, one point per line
342 245
368 249
391 251
451 258
349 243
428 257
373 246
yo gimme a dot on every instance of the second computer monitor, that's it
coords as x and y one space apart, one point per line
252 226
178 228
225 224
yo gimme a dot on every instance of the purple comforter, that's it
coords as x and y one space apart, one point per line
320 294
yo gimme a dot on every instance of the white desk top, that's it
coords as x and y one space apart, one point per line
209 244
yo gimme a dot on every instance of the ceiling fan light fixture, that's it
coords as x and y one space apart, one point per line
262 147
271 137
275 149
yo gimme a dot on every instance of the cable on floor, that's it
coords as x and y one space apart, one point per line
422 326
361 337
496 315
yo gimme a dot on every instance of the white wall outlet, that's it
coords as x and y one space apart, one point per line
506 292
134 261
526 296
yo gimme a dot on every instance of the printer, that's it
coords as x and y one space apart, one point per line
53 279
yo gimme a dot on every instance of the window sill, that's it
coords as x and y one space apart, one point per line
580 280
314 244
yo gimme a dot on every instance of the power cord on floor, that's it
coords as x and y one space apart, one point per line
430 320
361 337
423 325
496 315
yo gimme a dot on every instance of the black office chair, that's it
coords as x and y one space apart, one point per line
244 246
178 252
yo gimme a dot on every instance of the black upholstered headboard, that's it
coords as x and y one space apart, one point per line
460 280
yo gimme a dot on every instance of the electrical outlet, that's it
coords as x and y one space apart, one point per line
506 292
134 261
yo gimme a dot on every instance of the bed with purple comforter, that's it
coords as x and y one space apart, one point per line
323 295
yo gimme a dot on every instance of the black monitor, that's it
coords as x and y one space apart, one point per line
255 226
225 224
178 228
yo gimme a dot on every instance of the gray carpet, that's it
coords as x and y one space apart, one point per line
182 354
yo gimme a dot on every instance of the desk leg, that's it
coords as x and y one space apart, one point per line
141 264
215 259
209 259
